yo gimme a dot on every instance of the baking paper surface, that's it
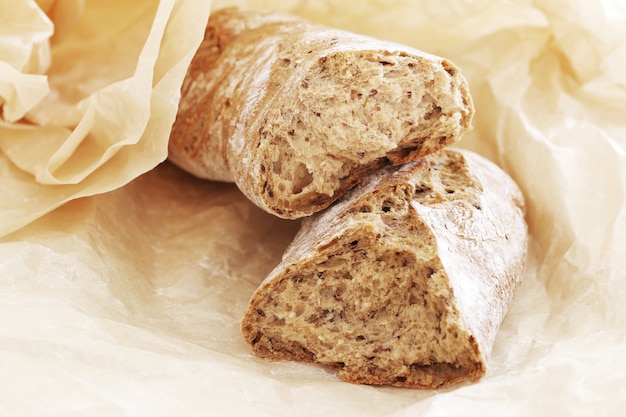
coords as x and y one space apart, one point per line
123 280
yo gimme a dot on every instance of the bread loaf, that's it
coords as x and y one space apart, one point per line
403 281
296 113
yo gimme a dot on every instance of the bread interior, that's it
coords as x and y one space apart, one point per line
350 113
373 302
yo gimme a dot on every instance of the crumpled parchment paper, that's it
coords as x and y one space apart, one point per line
123 279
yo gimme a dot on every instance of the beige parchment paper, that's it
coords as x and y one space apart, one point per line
123 279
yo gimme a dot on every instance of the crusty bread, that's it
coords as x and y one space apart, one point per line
296 113
404 281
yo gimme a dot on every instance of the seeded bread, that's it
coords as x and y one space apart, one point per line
404 281
296 113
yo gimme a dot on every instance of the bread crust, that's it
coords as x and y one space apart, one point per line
404 281
296 113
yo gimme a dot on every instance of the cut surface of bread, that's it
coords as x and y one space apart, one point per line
404 281
296 113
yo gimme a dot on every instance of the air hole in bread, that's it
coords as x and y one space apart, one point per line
434 113
302 178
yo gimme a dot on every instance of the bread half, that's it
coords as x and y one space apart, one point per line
296 113
404 281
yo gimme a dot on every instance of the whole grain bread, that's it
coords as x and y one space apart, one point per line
296 113
403 281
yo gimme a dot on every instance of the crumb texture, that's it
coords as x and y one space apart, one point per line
297 113
369 286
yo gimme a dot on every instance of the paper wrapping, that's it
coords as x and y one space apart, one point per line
123 279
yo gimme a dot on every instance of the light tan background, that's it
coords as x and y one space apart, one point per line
122 280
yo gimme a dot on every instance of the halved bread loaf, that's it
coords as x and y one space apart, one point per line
404 281
296 113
